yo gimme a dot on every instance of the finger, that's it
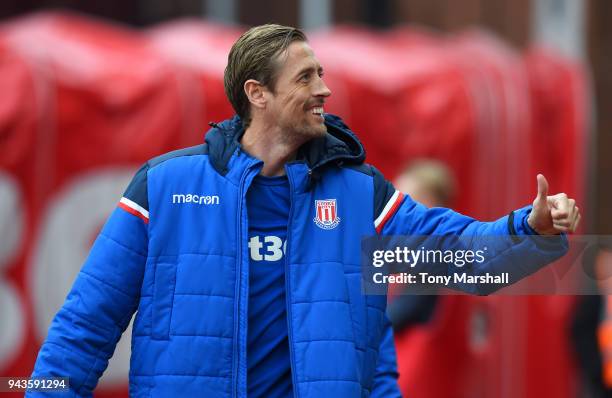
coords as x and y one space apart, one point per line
542 188
560 205
571 205
576 223
575 213
558 215
561 228
563 222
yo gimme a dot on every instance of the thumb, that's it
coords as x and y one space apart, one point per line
542 189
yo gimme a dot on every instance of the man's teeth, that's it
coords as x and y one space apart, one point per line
317 111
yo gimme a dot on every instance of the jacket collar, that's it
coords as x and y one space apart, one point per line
339 144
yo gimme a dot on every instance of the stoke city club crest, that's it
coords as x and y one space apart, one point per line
326 214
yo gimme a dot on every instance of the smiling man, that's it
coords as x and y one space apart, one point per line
256 289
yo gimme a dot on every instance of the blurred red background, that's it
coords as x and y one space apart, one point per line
85 102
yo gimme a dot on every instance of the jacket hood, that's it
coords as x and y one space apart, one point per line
339 145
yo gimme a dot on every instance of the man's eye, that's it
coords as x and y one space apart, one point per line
305 78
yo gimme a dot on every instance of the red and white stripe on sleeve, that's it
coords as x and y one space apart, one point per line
389 210
134 208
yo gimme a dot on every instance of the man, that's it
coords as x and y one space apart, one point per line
241 255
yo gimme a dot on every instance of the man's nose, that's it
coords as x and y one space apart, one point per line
322 90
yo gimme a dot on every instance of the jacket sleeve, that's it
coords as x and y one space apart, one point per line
517 248
102 300
385 379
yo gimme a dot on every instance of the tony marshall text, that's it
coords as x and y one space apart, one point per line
426 278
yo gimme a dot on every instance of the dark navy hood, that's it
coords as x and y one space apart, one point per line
339 145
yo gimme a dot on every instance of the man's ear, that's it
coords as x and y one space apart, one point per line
255 93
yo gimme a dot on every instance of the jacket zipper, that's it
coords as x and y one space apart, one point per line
288 288
237 292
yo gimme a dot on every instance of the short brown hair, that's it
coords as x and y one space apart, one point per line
435 176
252 57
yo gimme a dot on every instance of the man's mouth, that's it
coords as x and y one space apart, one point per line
317 111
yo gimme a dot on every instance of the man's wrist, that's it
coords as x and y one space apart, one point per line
528 227
517 222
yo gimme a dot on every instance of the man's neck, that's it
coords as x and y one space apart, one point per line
270 145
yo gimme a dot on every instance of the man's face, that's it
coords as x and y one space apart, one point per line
296 106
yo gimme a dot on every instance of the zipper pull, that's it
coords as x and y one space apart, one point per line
310 179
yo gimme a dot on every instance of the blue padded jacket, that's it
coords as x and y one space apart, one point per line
175 252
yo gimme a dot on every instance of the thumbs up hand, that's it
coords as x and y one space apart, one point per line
552 215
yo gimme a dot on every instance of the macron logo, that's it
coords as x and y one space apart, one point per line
196 199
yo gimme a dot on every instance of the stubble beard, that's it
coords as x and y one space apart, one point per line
311 130
300 134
